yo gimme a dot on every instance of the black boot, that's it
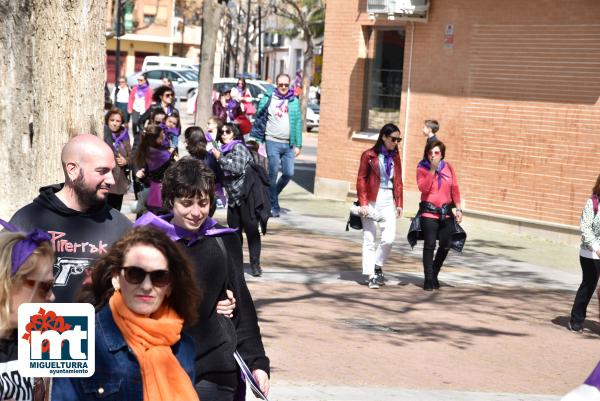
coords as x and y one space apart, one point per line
435 281
256 271
428 284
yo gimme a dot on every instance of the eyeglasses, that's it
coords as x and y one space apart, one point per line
227 131
434 153
283 85
168 95
395 139
44 287
141 80
136 275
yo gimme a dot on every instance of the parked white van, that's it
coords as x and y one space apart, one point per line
151 62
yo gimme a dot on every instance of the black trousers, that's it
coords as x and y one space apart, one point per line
209 391
434 230
115 201
237 217
591 271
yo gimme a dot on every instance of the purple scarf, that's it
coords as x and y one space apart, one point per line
426 164
176 233
25 247
283 98
231 107
594 378
388 157
118 140
208 136
157 157
229 147
142 90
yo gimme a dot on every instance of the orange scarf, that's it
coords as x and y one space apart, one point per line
151 338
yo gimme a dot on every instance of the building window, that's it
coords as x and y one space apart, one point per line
281 67
298 57
383 80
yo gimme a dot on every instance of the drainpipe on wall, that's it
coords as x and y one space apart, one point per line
412 41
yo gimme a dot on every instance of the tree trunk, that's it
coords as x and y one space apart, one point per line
52 63
211 23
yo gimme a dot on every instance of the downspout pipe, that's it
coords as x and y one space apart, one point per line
407 112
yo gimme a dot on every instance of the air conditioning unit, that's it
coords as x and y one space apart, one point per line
412 10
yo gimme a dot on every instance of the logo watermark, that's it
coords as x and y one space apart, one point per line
56 340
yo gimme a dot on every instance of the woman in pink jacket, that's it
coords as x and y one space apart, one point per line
438 184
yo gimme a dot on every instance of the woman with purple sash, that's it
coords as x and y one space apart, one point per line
153 158
116 135
227 320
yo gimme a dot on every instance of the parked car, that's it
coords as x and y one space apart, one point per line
153 62
256 87
313 116
185 80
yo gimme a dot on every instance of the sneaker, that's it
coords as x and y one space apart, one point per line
373 283
379 277
274 213
576 327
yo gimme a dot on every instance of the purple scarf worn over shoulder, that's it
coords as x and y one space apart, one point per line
118 140
388 157
176 233
426 164
142 90
157 157
229 147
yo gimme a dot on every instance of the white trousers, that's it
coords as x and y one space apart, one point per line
373 253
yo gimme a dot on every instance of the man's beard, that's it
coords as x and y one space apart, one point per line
87 197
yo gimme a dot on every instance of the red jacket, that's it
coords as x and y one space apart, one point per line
369 178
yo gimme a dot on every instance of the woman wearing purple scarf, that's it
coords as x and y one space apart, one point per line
379 188
117 137
25 276
153 158
234 159
226 108
216 253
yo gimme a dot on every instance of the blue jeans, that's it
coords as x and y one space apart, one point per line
279 155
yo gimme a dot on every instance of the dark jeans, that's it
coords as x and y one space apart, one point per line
433 230
115 201
237 217
280 155
591 271
209 391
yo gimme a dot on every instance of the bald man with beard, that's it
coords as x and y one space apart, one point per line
75 214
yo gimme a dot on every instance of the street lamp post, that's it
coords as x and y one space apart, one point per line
118 38
247 39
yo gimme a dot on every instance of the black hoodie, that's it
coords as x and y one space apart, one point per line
78 238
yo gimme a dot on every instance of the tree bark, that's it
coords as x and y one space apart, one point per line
211 23
52 63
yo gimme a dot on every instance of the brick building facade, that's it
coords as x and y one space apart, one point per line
514 85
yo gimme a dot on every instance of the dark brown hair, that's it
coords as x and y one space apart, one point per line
431 145
187 178
385 131
148 138
185 295
596 189
114 111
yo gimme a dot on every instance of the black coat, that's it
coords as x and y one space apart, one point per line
415 233
255 194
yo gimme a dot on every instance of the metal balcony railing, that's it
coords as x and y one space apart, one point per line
402 8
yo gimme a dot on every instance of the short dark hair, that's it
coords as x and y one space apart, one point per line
112 111
237 134
190 130
160 91
431 145
433 125
185 295
187 178
386 130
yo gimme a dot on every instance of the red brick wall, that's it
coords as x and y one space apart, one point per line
516 98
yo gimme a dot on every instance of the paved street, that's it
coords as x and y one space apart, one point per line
495 330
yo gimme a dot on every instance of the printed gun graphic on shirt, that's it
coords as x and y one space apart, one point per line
65 267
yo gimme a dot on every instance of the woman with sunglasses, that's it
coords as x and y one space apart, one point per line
243 210
379 189
144 293
163 99
438 184
25 276
227 318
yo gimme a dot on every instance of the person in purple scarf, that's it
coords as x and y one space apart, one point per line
226 108
152 159
379 189
116 135
216 253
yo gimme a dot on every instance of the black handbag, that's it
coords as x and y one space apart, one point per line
354 221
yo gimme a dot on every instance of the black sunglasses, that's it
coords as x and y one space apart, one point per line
44 287
168 95
394 139
136 275
283 85
227 131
